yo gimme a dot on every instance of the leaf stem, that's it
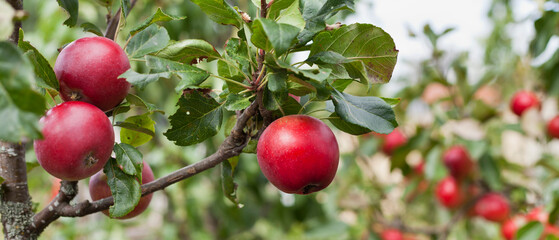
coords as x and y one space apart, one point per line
231 81
259 78
236 67
263 83
307 103
127 41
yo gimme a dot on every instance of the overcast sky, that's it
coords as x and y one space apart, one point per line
468 17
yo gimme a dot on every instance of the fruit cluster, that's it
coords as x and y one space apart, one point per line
460 188
78 137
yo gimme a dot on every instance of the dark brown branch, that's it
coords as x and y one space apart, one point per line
17 5
231 146
68 190
16 208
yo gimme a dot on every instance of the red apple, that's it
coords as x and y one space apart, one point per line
298 154
449 192
392 234
392 141
419 169
522 101
493 207
77 141
511 226
99 189
458 161
553 127
550 230
88 71
538 214
55 188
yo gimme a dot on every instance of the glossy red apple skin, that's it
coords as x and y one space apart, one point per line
458 162
449 193
392 234
77 141
298 154
392 141
493 207
99 189
553 127
522 101
511 226
88 71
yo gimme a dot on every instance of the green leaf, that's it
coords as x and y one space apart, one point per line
129 158
227 182
554 213
31 165
141 80
149 40
282 12
189 51
434 169
190 76
237 102
20 106
490 172
251 146
92 28
532 230
268 34
137 101
71 7
163 68
45 75
197 119
319 75
137 130
368 112
158 16
238 50
279 6
347 126
125 189
125 7
372 49
219 11
328 57
546 27
6 23
277 82
315 13
391 101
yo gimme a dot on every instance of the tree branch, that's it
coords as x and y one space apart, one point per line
16 208
61 207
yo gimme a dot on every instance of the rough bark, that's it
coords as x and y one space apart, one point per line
16 208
